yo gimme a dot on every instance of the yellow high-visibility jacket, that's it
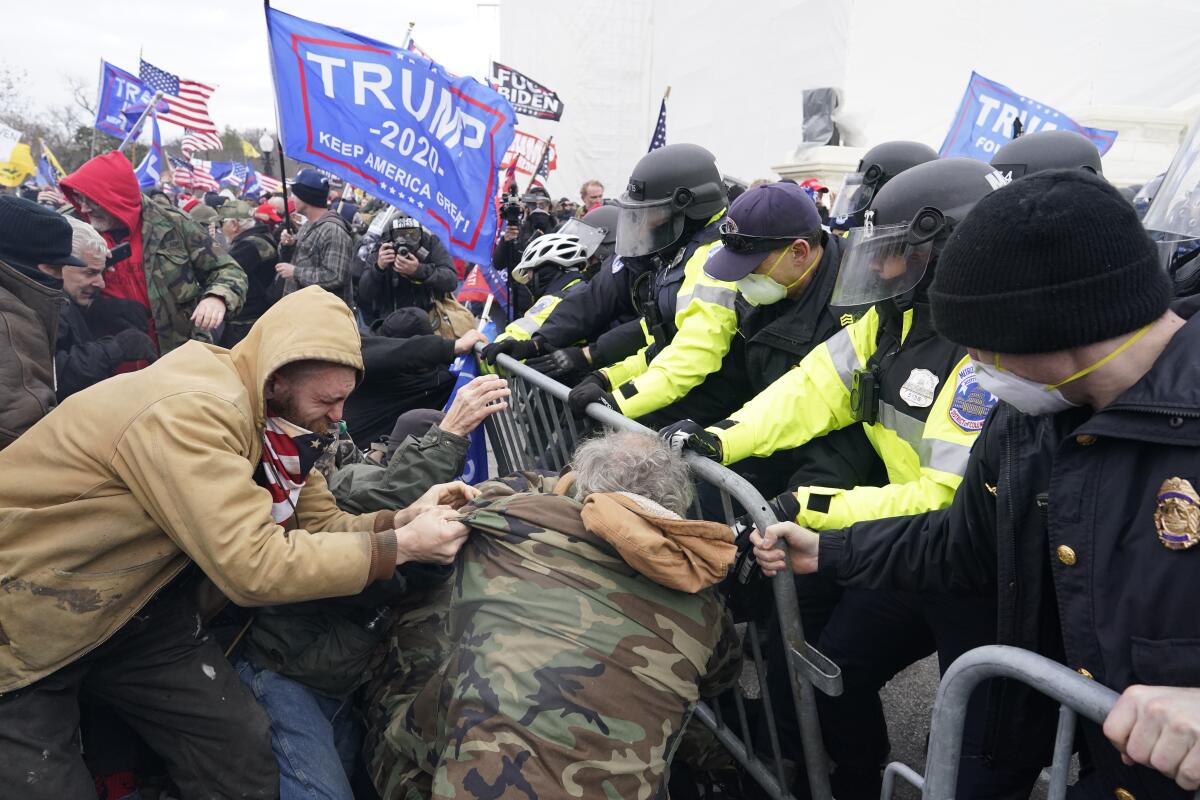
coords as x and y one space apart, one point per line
929 411
705 324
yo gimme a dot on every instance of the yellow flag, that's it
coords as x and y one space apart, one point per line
19 168
248 150
53 161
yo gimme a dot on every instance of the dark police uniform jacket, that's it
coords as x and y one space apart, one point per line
1083 524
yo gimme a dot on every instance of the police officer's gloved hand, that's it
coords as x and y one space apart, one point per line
517 348
786 507
134 345
592 389
561 363
691 435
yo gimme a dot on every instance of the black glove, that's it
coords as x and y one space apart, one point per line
592 389
135 345
561 363
786 507
691 435
516 348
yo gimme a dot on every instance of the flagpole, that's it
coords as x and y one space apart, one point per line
137 126
538 165
408 36
287 216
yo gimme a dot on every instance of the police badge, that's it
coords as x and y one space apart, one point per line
920 389
1177 518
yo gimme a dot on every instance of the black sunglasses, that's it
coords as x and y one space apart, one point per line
743 243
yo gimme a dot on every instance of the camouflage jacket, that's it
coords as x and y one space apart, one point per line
182 265
569 673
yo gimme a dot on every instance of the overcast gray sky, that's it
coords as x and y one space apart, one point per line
225 42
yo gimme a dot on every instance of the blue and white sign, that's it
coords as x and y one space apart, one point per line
119 90
395 124
984 121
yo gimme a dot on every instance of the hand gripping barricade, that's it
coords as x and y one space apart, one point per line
537 431
1075 694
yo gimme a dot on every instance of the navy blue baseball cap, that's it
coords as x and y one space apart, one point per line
764 219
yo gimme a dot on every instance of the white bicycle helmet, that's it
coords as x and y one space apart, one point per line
564 250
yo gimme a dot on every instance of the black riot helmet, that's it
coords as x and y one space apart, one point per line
906 226
878 166
668 187
1035 152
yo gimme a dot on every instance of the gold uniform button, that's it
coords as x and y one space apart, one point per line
1124 794
1087 440
1083 671
1066 555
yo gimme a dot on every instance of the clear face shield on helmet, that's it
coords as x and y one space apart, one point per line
590 237
885 261
645 227
1173 219
857 192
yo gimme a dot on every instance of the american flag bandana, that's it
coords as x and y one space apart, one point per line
288 455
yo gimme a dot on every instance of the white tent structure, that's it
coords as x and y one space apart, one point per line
737 71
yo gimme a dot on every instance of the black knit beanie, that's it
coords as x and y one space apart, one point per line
1052 261
312 196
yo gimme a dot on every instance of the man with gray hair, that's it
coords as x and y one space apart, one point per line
81 357
583 627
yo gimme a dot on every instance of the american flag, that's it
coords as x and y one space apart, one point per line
188 100
660 130
181 173
199 140
202 175
270 184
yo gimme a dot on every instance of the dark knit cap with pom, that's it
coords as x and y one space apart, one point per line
1052 261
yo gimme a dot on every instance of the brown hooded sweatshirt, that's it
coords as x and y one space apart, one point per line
108 497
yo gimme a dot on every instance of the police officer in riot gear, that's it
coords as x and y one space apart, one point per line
878 166
676 202
1042 150
671 214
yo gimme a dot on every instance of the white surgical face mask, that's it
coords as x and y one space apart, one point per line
1028 397
763 290
1031 397
760 290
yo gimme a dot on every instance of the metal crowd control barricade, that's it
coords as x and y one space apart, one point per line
1076 695
537 431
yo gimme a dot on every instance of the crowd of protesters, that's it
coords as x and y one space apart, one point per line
236 561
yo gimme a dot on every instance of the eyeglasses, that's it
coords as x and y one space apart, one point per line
743 243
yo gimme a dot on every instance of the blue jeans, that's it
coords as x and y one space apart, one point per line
315 738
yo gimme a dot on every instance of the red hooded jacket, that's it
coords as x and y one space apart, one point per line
109 182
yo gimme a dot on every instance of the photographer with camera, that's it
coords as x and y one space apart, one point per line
411 267
522 220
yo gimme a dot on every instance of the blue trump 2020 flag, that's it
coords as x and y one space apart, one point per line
149 172
984 121
475 467
393 123
119 90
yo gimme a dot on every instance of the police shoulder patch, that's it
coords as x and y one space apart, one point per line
971 402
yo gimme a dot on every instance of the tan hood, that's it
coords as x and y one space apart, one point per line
308 324
687 555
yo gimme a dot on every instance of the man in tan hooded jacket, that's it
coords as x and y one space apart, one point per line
109 499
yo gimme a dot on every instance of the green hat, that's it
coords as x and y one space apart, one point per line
203 214
235 209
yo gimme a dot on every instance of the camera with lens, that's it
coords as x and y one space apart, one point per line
511 210
403 233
